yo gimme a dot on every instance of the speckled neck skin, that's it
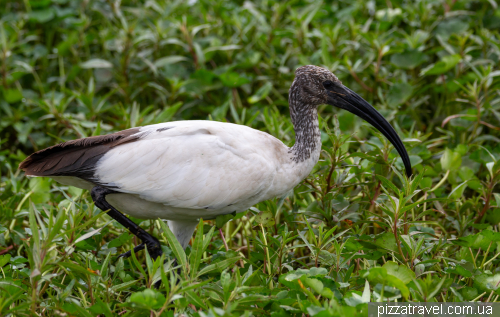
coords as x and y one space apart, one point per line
306 94
307 134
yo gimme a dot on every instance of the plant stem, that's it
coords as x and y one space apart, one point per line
223 239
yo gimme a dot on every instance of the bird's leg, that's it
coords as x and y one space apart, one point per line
152 244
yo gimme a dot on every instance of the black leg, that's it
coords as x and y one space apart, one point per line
151 243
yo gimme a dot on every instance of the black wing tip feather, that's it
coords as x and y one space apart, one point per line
63 159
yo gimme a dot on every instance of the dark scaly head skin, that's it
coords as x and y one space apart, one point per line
308 84
305 95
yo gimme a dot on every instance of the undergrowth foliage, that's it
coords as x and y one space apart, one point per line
356 230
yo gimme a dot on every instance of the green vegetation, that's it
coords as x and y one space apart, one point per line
355 230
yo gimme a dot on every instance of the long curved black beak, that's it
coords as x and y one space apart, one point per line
342 97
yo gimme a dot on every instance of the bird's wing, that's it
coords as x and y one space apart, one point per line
193 164
77 158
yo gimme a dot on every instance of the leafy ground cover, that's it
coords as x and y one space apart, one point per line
354 231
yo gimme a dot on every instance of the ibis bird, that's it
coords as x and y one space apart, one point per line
186 170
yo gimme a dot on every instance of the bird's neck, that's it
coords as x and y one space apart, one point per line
307 134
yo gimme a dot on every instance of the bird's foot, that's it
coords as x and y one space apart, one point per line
152 244
154 249
129 253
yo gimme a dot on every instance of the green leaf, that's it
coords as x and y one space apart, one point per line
35 235
266 218
437 288
398 94
380 275
447 63
233 80
87 235
4 259
122 239
76 310
122 286
388 14
375 159
221 220
40 186
365 298
41 16
204 76
195 299
18 260
176 247
451 26
420 203
414 161
426 183
451 161
96 63
314 284
76 268
459 270
168 113
493 216
222 48
402 272
196 250
169 60
101 308
387 183
387 241
458 190
414 184
318 271
12 95
105 268
148 299
208 238
261 93
409 59
466 241
314 271
469 293
491 235
37 4
466 173
487 282
462 149
218 266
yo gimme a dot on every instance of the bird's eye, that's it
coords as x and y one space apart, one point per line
328 84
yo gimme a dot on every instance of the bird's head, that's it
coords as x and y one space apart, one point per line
314 86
